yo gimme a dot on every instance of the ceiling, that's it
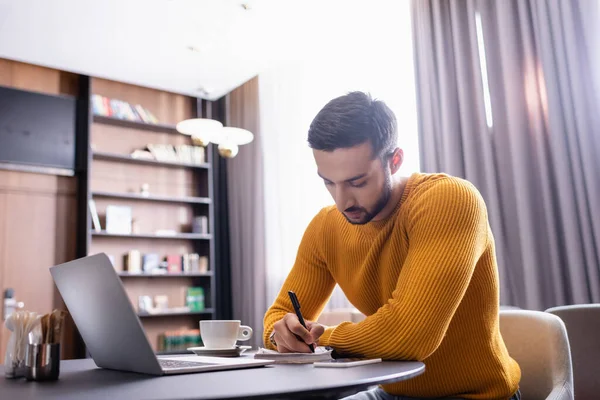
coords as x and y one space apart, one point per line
201 48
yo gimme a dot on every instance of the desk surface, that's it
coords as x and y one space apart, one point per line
82 379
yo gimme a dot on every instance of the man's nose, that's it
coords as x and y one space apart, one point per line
343 199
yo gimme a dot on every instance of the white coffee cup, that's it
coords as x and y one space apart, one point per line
222 334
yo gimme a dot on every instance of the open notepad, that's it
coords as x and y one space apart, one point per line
320 354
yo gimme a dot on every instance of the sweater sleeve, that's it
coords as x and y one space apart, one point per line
447 231
309 279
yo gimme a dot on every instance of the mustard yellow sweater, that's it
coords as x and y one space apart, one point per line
427 279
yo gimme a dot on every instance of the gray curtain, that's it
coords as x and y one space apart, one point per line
247 213
536 156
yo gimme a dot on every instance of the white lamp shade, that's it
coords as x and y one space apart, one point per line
228 150
229 135
203 128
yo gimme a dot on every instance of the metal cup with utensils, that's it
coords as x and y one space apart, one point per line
42 362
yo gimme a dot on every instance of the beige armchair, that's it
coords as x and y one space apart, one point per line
538 342
583 326
339 315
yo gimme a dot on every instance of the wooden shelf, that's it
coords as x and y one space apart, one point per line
176 314
100 155
167 275
165 199
164 128
189 236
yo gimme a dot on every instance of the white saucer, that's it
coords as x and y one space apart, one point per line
226 352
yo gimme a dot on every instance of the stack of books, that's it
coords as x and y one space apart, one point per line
182 153
120 109
179 340
151 263
187 263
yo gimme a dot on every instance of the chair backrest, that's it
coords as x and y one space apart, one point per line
583 327
538 342
339 315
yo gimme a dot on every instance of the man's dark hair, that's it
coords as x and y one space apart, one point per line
353 119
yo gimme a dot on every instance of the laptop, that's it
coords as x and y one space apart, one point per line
111 329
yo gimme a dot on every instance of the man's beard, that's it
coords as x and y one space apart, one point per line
367 216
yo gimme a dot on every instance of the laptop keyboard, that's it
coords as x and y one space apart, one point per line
170 364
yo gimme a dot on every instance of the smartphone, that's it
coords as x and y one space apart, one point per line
346 362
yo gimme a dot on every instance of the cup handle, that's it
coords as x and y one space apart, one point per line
244 333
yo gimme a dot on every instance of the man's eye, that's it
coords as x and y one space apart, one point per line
327 183
358 185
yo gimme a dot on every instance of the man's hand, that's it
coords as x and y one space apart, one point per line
288 327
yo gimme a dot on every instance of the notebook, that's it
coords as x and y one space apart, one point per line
320 354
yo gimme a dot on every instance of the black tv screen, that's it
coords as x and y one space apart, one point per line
37 129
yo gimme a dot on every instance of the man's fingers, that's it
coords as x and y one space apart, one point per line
291 336
316 330
296 327
288 343
285 338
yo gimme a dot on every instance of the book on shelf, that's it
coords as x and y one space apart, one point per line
94 214
199 154
98 106
116 108
182 153
185 263
203 264
132 261
163 152
150 262
194 298
174 263
192 263
190 154
179 340
144 115
135 262
200 224
196 264
142 155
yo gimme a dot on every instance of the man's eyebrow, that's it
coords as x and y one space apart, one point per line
322 177
354 178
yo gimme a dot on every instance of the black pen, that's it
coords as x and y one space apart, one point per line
296 305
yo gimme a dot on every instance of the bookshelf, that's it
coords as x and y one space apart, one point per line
190 236
166 275
165 199
135 124
178 193
100 155
176 314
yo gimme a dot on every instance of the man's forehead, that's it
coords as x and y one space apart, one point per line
339 169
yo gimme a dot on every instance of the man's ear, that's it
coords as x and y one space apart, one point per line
396 160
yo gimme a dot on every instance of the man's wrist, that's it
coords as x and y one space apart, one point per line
272 339
324 340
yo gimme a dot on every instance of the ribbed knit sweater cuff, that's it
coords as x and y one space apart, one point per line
324 339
